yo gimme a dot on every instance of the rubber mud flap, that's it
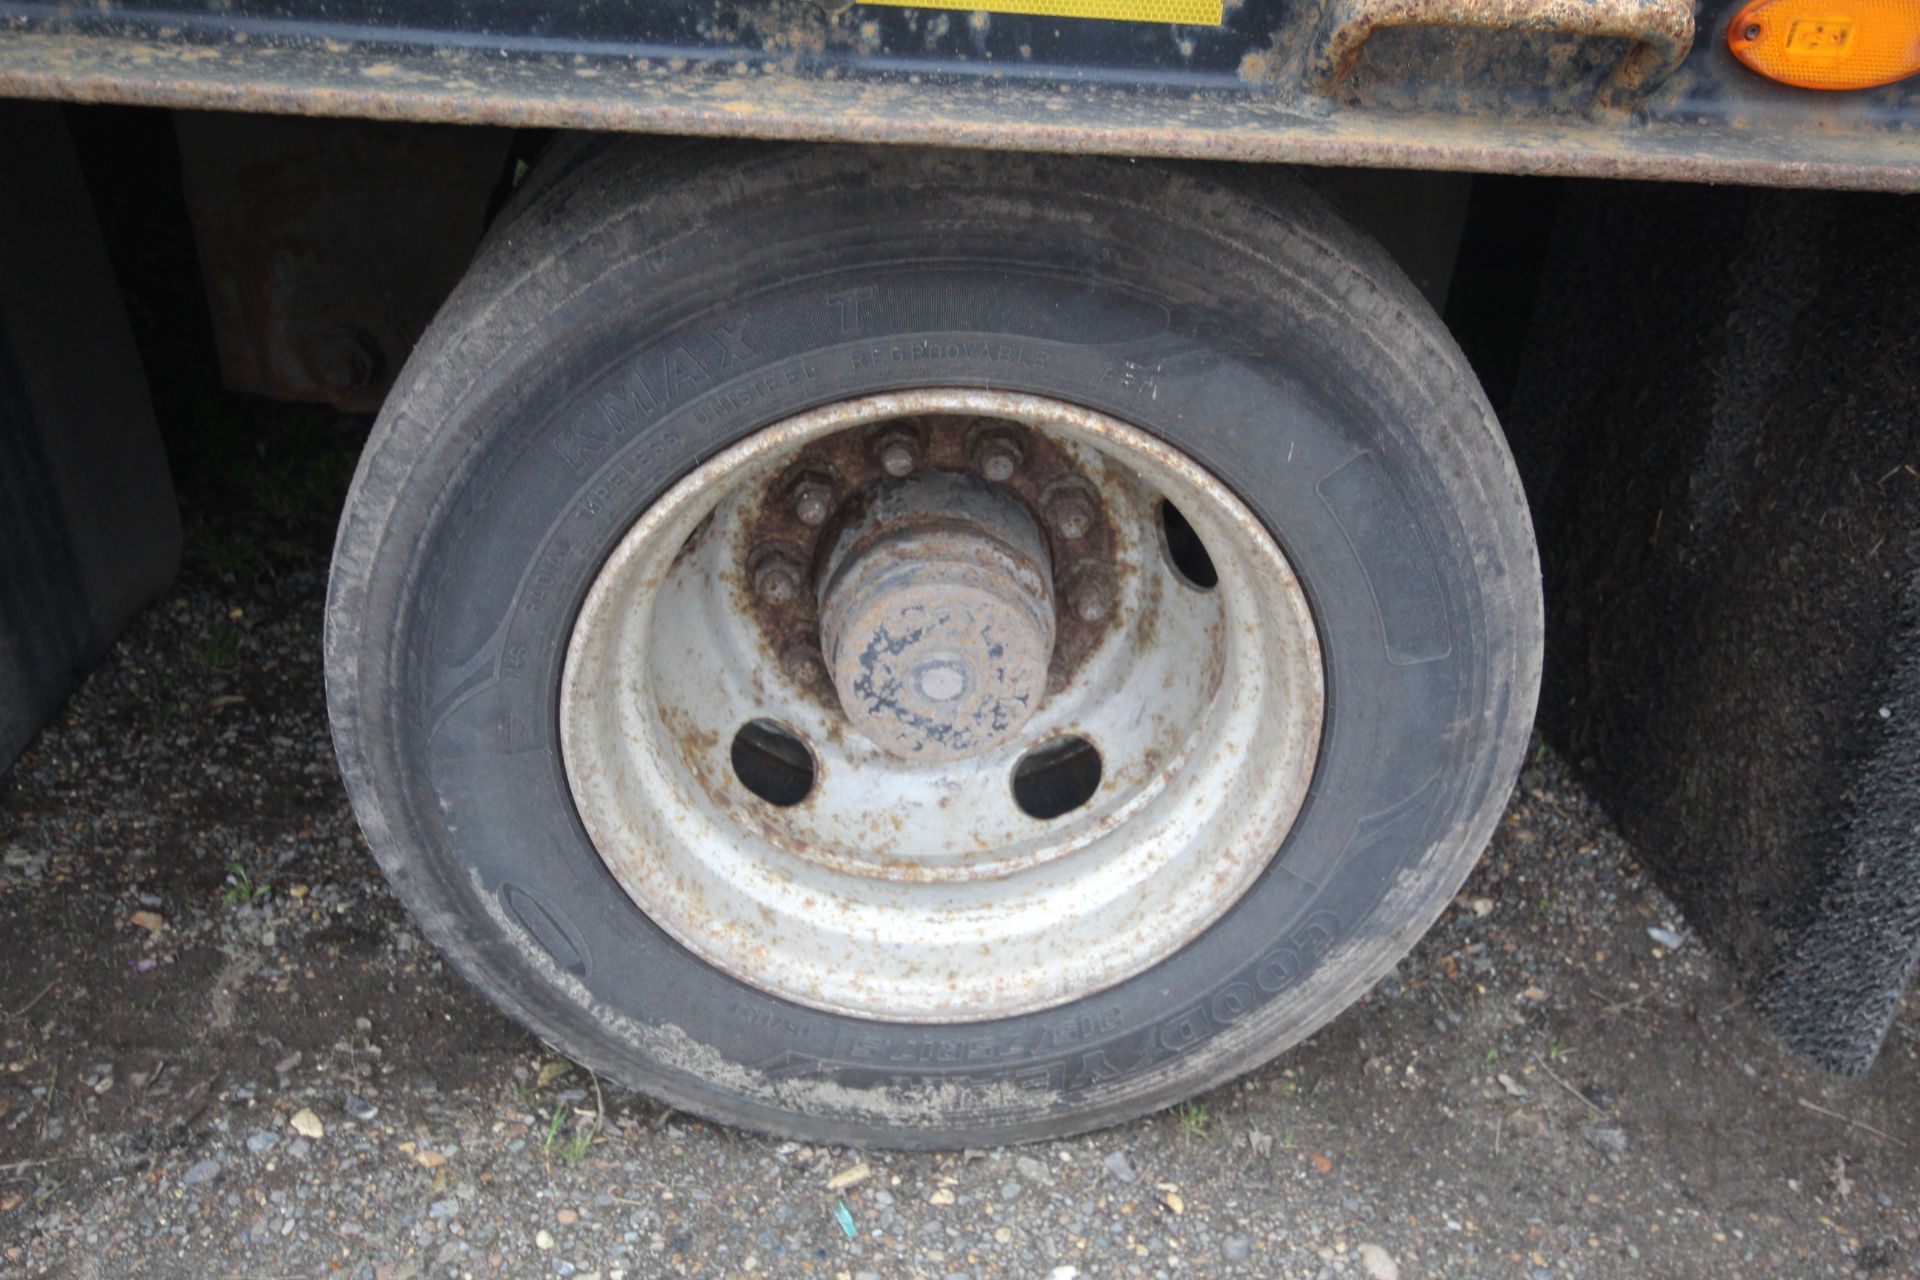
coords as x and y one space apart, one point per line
655 303
89 532
1734 555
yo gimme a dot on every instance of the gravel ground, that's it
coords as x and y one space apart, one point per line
225 1052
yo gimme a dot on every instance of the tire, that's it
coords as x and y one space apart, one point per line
1233 316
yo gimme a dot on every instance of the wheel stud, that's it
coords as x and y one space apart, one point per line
804 661
1070 512
1091 595
777 576
898 453
996 453
812 498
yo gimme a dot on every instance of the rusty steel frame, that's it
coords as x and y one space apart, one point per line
1709 121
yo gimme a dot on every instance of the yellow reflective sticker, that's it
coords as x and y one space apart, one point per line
1197 13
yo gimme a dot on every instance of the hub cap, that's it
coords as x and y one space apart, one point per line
937 617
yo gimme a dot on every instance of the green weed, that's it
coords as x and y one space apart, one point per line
570 1142
233 555
220 650
241 888
165 711
574 1149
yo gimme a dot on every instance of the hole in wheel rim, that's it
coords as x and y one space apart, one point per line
1185 552
772 762
1056 778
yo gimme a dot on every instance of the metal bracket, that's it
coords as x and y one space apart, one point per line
1661 32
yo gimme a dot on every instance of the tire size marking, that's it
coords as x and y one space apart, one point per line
927 349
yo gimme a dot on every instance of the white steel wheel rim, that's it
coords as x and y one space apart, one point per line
910 891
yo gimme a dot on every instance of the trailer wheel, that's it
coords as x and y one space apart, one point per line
923 648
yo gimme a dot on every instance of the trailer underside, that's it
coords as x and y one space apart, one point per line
1637 89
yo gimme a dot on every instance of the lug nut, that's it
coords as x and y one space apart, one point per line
812 498
1070 512
777 576
996 453
1091 595
804 662
899 453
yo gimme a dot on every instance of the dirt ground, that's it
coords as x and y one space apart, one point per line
225 1052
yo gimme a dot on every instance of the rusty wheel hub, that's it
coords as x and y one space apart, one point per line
936 617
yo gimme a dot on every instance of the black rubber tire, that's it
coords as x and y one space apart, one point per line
1231 312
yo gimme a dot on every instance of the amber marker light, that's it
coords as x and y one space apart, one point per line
1828 44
